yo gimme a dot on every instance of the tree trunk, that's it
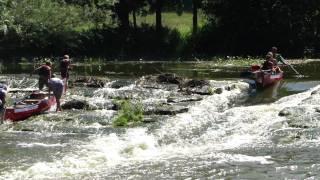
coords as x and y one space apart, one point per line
134 17
158 15
195 16
123 14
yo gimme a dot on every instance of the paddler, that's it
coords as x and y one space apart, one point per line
3 94
64 70
269 63
44 72
57 87
277 56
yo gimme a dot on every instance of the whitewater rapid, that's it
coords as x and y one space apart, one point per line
215 138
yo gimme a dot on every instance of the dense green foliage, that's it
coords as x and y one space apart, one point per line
115 28
252 26
129 114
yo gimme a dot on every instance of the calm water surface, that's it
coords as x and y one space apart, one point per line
220 137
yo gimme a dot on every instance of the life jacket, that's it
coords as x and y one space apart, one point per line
64 65
268 64
45 71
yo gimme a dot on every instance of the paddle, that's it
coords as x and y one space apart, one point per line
294 69
282 60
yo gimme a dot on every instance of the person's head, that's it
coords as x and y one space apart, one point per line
66 56
269 55
274 49
48 63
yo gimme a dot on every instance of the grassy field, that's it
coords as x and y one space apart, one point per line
171 20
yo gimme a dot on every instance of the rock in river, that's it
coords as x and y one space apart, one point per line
77 104
167 110
284 112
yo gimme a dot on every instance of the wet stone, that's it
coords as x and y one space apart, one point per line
75 104
230 87
88 82
315 92
120 83
317 109
218 91
284 112
184 99
205 90
169 78
196 83
167 110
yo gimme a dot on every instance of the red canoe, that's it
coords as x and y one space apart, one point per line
264 78
36 103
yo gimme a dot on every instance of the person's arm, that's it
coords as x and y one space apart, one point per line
69 65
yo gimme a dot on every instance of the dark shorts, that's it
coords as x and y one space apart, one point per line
64 74
43 81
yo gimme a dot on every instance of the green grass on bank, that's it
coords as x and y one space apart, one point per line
232 61
172 20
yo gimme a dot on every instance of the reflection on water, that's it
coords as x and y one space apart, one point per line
280 89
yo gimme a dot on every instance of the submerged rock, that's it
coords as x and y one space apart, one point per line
151 82
204 90
178 99
230 87
317 109
78 104
218 91
167 110
284 112
88 81
315 92
154 118
195 83
120 83
169 78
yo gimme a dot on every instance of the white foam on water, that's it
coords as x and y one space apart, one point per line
209 128
28 145
240 158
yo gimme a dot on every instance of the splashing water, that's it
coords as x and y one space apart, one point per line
216 138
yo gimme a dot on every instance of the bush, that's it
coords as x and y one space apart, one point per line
129 114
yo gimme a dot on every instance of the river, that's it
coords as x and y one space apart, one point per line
238 134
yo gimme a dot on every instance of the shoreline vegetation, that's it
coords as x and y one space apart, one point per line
159 29
214 61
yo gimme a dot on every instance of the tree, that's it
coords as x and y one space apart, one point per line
157 6
195 5
254 25
6 20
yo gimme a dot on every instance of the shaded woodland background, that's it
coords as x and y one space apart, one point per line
161 29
